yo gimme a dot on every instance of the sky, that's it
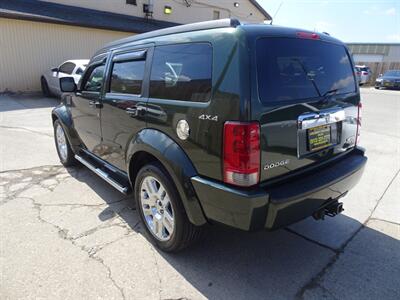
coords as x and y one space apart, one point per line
376 21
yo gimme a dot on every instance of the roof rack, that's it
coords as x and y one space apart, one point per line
222 23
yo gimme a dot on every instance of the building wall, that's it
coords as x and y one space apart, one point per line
198 10
30 48
379 57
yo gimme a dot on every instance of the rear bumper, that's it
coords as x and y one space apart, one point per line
281 204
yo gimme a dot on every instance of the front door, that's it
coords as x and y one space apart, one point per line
86 107
124 103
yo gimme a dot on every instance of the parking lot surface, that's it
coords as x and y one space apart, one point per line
66 234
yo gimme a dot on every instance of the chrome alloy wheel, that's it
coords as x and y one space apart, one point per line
157 208
61 143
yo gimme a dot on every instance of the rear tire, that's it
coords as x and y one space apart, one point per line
161 210
65 153
45 87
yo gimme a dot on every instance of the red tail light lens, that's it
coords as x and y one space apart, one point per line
358 123
241 153
308 35
365 73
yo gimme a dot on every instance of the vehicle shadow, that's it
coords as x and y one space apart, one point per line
12 102
231 264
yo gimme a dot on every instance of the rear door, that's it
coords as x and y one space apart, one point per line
306 102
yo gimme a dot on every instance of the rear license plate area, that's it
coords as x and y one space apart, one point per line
319 137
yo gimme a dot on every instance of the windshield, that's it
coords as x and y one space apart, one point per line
291 69
395 73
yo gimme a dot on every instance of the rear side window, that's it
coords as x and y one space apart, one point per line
67 68
182 72
127 77
292 69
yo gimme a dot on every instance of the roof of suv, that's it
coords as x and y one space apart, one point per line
251 29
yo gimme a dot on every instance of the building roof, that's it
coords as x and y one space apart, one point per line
261 9
34 10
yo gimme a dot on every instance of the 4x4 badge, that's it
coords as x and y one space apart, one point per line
209 117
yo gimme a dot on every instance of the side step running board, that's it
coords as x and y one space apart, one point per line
102 174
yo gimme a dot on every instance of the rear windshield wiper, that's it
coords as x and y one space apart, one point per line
326 94
303 67
330 92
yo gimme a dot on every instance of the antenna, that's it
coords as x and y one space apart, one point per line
279 8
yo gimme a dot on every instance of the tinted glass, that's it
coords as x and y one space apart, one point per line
291 69
95 80
79 71
127 77
182 72
67 68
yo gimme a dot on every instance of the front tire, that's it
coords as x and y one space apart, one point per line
63 147
161 210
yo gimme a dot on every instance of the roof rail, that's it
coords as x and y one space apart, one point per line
222 23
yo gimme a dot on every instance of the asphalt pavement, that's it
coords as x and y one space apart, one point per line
66 234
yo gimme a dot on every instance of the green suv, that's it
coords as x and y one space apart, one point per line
251 126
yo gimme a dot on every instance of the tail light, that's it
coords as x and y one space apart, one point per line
358 73
308 35
365 73
241 160
359 107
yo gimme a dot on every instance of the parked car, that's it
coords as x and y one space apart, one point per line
357 71
50 80
390 79
366 74
251 126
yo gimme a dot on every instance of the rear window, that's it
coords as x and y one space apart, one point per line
293 69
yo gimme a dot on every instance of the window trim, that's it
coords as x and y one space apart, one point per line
199 103
130 56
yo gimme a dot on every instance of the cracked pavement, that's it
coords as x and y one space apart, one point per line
66 234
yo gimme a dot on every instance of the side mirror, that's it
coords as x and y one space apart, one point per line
54 70
67 85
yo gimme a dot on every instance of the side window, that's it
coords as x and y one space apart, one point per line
79 71
94 81
182 72
67 68
127 77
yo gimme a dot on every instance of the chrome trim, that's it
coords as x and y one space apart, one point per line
311 120
102 174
